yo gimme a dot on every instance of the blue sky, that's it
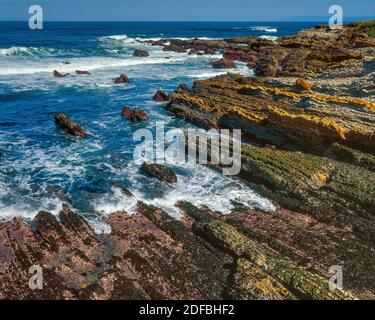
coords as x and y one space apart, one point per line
185 10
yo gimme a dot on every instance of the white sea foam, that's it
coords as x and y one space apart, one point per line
272 38
264 28
90 63
202 186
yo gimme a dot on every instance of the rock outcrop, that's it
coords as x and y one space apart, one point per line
140 53
153 256
223 64
59 75
122 79
69 126
161 96
160 172
134 115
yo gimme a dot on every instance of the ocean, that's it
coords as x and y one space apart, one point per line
42 167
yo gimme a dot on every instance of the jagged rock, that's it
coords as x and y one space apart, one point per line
82 72
68 125
134 115
122 79
140 53
223 64
304 84
267 67
174 48
160 172
161 96
256 261
59 75
271 112
182 87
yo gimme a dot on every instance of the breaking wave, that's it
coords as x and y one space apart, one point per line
27 51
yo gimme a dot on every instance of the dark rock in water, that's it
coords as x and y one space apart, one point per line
160 172
125 191
59 75
122 79
134 115
68 125
223 64
175 48
82 72
65 62
140 53
161 96
182 87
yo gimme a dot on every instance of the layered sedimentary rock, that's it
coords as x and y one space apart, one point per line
149 256
307 54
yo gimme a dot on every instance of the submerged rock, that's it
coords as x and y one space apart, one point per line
125 191
122 79
82 72
140 53
134 115
160 172
68 125
161 96
59 75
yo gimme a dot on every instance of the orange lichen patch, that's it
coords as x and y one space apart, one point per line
303 123
322 176
304 84
194 101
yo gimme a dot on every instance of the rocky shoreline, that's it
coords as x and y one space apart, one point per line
308 119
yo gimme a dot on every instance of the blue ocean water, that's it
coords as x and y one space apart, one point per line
42 167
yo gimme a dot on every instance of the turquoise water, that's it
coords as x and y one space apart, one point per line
42 167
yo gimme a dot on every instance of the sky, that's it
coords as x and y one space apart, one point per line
185 10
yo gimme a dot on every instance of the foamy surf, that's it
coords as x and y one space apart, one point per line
200 186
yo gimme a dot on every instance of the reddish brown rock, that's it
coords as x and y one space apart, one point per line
161 96
68 125
134 115
223 64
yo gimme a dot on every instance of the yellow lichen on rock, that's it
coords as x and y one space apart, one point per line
301 122
304 84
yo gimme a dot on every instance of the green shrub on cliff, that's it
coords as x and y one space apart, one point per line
369 25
